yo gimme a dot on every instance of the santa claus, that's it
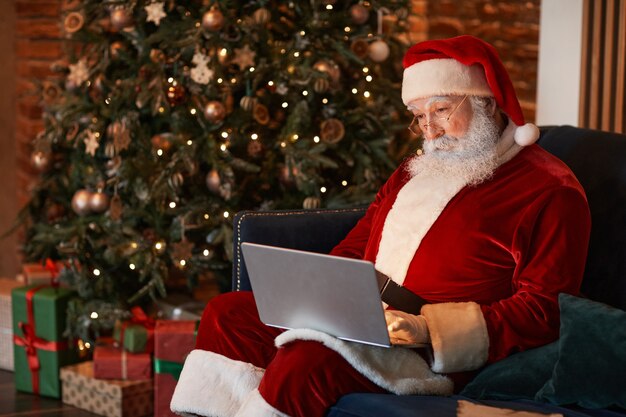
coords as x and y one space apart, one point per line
484 224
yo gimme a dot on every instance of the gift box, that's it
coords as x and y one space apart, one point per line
36 273
6 324
111 398
173 340
40 350
137 334
113 362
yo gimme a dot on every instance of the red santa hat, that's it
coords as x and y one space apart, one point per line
459 66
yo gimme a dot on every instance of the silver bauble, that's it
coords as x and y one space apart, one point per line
98 202
379 51
80 202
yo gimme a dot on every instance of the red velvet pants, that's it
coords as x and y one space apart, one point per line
302 379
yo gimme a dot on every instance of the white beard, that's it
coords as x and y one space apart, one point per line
472 158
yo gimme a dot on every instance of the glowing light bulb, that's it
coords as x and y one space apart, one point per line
93 315
96 272
172 204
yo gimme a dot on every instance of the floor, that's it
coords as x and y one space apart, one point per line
13 403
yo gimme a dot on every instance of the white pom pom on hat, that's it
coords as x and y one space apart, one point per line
459 66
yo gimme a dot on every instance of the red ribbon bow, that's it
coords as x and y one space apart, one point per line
31 342
52 267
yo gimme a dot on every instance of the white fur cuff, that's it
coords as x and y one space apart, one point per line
458 333
256 406
213 385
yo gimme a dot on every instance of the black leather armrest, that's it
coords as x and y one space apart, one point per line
311 230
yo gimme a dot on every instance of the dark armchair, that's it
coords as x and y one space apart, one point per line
599 161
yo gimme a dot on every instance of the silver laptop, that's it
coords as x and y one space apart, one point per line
297 289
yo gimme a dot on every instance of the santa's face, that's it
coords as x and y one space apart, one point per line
441 115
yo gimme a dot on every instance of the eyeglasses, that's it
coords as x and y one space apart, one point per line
420 121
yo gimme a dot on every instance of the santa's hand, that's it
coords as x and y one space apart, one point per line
407 327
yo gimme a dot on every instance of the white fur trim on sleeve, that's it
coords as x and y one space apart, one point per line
256 406
395 369
442 77
213 385
459 337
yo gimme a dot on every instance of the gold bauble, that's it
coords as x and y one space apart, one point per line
328 67
121 18
311 203
214 111
247 103
98 202
213 181
261 16
213 20
359 14
80 202
379 51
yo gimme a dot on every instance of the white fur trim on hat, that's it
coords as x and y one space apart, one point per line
458 334
526 135
256 406
442 77
213 385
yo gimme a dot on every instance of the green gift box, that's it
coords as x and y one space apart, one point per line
40 350
137 334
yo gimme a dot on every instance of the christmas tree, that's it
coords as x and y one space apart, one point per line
171 116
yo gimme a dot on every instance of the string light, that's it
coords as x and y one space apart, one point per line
87 345
226 214
158 246
96 272
323 189
296 54
161 109
366 70
206 252
344 183
305 93
107 100
285 105
295 137
354 91
325 100
316 139
169 80
172 204
329 7
93 315
97 134
225 135
233 80
132 266
283 144
160 152
368 78
220 80
189 142
302 33
206 216
270 83
223 147
223 52
366 94
183 262
254 136
192 111
134 245
251 69
347 29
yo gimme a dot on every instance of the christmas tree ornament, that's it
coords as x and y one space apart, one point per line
328 67
255 148
175 94
175 181
359 14
360 48
261 16
312 203
321 85
261 114
91 142
119 132
155 13
157 56
201 73
244 57
332 131
109 149
116 208
162 141
40 161
248 102
98 202
182 250
79 72
50 92
213 181
121 18
213 20
214 111
116 48
73 22
379 51
80 202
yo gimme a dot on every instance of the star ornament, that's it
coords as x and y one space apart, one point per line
155 13
182 250
79 72
244 57
91 143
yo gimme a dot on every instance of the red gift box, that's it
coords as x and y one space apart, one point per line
112 362
173 341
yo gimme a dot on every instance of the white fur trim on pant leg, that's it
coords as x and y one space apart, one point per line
256 406
213 385
459 337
